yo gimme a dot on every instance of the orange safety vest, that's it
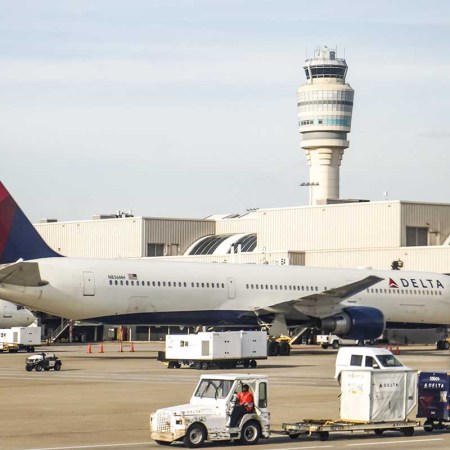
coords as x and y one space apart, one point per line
246 397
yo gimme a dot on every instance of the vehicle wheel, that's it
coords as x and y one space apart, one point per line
324 346
285 348
428 426
446 345
360 343
204 365
250 433
38 367
163 442
335 345
195 436
28 368
294 436
170 365
378 431
197 365
323 435
439 345
253 363
57 365
246 364
46 369
409 431
273 348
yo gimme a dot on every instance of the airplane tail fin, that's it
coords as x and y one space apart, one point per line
18 237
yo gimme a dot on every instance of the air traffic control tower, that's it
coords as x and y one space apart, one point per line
325 104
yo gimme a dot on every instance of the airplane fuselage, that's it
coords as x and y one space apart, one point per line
147 291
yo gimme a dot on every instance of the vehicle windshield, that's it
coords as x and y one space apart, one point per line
389 361
213 388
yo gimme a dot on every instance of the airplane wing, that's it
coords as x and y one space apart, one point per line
321 303
21 274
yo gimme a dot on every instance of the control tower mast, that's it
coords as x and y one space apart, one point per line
325 104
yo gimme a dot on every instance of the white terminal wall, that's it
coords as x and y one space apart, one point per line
122 237
340 235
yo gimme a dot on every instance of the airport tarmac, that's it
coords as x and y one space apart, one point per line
103 401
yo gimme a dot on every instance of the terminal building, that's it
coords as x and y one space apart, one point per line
329 232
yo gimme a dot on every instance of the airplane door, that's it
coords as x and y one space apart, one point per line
231 288
7 313
88 283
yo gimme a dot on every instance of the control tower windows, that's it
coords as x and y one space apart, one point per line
326 71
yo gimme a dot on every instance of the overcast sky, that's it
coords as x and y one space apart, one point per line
185 108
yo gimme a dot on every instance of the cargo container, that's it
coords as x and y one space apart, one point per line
225 349
25 338
434 400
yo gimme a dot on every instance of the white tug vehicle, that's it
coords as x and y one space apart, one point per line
207 416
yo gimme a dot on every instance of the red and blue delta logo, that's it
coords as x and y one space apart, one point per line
392 284
420 283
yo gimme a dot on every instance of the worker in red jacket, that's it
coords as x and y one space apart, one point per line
244 405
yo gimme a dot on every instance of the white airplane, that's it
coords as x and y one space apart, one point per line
352 303
12 315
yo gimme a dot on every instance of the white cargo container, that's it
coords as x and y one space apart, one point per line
225 349
377 395
25 337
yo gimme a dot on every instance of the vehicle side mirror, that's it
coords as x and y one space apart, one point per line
375 366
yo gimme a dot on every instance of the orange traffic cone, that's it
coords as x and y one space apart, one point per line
397 351
101 347
121 348
132 347
390 348
89 350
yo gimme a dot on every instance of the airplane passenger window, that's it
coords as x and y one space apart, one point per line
116 282
121 282
223 285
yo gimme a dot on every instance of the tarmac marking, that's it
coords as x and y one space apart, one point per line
408 441
304 448
132 444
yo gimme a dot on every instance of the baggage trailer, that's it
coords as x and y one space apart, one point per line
224 350
434 400
371 400
323 428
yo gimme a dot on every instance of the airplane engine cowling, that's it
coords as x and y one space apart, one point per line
359 322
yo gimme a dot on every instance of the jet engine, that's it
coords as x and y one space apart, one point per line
359 323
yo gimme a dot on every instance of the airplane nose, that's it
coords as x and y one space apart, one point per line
30 317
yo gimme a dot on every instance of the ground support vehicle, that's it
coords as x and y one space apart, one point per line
434 400
206 417
278 346
225 350
443 344
334 341
11 348
21 338
323 428
42 361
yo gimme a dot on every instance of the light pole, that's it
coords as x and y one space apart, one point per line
310 184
